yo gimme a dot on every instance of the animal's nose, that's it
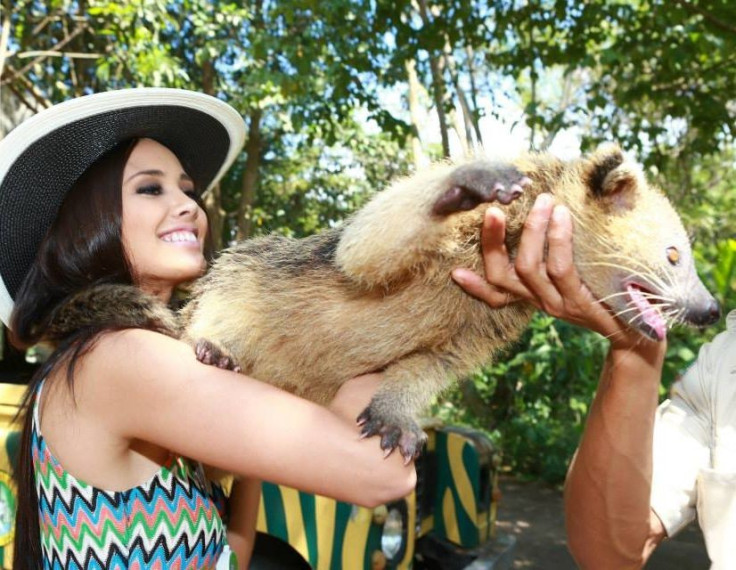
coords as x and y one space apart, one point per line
705 315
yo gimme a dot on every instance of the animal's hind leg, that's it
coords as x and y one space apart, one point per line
477 183
408 387
388 240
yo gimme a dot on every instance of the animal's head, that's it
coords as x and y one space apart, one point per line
631 248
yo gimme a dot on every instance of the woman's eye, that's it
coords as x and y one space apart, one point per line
152 189
192 193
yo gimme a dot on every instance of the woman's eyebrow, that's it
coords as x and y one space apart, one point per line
154 172
145 173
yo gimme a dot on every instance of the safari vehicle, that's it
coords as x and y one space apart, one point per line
447 523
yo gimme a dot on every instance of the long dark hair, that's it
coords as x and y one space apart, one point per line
83 248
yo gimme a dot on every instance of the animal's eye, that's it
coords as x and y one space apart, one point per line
673 255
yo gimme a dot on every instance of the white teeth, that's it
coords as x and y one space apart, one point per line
180 237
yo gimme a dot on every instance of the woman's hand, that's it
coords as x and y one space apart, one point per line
550 283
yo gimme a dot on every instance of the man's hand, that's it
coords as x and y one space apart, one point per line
549 282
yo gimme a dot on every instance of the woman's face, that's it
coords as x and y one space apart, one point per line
163 228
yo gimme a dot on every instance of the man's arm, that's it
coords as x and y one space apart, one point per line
607 493
610 523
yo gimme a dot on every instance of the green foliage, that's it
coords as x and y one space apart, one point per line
534 399
724 273
314 185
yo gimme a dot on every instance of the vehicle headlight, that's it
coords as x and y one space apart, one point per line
393 539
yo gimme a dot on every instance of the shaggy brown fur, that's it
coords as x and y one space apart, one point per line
110 306
376 293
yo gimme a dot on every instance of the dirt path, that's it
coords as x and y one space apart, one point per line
532 512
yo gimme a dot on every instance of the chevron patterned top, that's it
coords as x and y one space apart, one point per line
169 521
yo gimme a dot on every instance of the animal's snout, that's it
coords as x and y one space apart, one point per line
706 314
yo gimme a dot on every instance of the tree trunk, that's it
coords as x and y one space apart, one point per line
473 93
468 126
4 41
473 401
533 94
438 85
213 199
250 175
420 159
463 135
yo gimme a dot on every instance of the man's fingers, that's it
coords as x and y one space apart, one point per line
530 256
531 262
580 303
560 266
499 270
493 244
479 288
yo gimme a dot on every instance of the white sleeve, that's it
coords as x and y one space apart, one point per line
682 445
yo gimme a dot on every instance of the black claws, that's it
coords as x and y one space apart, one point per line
209 353
409 438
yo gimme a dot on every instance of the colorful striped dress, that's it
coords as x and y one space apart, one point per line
170 521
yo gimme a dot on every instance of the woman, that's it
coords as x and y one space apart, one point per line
105 189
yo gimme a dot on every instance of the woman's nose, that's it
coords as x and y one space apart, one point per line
187 206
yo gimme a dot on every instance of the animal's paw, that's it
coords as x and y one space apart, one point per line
395 431
208 352
480 182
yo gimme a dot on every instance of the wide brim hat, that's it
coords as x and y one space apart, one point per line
42 158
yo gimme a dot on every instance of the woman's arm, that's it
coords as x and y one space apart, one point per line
244 499
243 503
155 390
610 523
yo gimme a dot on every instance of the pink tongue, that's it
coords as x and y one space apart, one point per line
650 315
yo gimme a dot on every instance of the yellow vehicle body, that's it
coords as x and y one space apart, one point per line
453 503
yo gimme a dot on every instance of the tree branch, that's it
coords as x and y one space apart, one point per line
40 58
54 53
707 15
4 41
20 96
43 101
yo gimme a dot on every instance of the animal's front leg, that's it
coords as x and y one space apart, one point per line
208 352
407 388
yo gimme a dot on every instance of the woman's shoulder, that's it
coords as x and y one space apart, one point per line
139 343
128 357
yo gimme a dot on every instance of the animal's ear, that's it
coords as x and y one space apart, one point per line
612 179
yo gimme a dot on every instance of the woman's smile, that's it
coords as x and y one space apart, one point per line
182 237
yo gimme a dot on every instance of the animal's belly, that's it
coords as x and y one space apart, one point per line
314 362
